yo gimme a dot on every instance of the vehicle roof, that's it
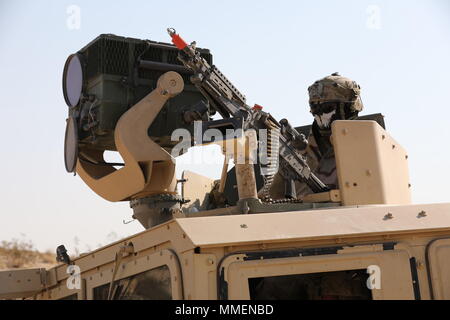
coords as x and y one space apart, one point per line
338 223
342 222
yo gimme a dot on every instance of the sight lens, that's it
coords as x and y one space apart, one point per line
71 145
73 80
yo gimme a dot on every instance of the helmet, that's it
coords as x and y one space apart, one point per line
335 88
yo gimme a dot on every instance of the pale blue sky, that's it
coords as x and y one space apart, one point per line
272 51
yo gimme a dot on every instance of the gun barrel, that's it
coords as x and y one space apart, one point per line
153 65
176 39
228 101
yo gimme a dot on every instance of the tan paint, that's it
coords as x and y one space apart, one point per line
196 188
417 249
313 224
245 178
372 167
330 196
139 265
148 169
244 159
395 277
198 271
205 267
243 151
223 176
439 263
21 282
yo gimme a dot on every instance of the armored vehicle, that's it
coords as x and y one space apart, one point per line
229 239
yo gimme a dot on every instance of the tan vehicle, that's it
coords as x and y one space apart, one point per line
362 241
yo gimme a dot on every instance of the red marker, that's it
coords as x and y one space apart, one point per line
176 39
257 107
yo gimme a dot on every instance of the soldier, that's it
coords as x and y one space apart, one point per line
331 98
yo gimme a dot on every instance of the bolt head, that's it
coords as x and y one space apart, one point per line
388 216
422 214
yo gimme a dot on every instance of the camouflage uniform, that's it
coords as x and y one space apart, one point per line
331 98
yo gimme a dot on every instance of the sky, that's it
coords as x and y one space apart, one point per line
398 51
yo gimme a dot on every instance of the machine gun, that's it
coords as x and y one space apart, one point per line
282 154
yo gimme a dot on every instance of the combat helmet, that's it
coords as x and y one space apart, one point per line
336 89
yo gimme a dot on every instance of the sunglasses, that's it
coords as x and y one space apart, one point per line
324 107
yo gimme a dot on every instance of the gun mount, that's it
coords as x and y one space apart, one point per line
111 74
129 95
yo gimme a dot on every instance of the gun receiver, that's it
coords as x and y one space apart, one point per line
229 102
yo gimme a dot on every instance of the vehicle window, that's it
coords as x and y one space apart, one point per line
149 285
338 285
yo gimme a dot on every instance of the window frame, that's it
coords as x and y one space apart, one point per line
139 265
438 272
397 283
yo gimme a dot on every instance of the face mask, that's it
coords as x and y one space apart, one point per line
324 120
